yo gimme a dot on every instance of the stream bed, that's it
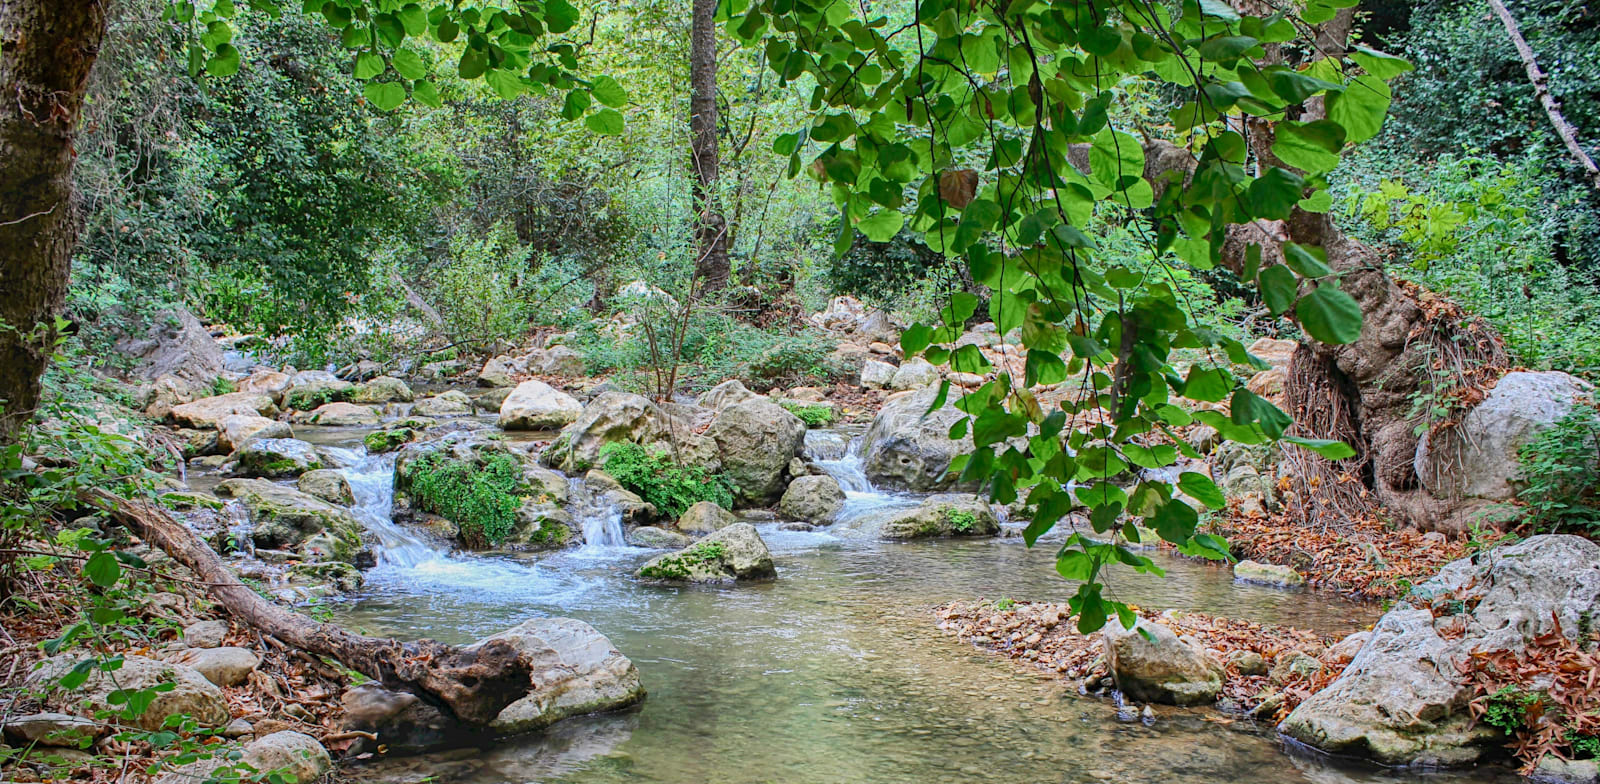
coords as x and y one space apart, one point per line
836 671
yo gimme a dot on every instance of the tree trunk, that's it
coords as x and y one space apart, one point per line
1541 89
474 684
47 48
711 229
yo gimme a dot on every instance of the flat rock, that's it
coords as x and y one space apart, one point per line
535 405
223 666
205 634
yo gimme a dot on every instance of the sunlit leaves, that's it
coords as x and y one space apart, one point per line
608 122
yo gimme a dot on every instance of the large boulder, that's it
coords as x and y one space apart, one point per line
497 372
1477 459
284 518
755 440
343 415
1401 700
877 375
613 417
176 345
576 671
190 693
704 517
815 499
235 430
559 361
1150 663
276 458
445 404
909 447
207 412
731 554
940 516
383 389
535 405
725 394
914 373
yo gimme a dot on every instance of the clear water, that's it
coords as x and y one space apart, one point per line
836 672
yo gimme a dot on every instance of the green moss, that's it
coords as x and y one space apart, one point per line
388 440
814 415
961 521
681 566
312 397
481 500
660 481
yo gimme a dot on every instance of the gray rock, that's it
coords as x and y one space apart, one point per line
535 405
1554 770
276 458
755 439
383 389
297 758
497 372
1156 666
205 634
657 538
576 671
52 729
311 388
944 515
453 403
612 417
223 666
327 484
560 361
703 518
914 373
731 554
236 430
877 375
344 415
725 394
191 694
1478 457
812 498
1267 574
909 447
206 412
1248 663
1400 702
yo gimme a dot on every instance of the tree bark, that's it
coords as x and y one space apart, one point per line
711 228
1541 88
474 684
47 48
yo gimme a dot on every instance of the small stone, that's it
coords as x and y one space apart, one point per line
1248 663
205 634
1273 575
238 728
222 666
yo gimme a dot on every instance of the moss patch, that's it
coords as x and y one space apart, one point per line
482 500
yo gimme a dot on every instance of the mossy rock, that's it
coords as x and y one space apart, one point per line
380 441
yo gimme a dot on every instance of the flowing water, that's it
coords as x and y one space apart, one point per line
835 672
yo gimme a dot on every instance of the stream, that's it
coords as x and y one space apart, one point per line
835 672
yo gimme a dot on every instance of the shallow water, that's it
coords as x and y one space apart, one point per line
836 671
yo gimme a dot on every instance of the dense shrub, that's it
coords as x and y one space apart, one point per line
717 348
1559 467
481 500
880 272
814 415
654 476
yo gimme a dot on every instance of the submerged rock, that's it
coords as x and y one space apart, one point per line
705 517
1150 663
731 554
1273 575
1400 700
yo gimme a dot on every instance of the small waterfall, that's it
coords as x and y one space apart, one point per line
863 503
371 479
599 519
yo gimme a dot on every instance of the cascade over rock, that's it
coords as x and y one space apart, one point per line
908 446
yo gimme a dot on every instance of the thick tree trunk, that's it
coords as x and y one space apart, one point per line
711 228
47 48
474 684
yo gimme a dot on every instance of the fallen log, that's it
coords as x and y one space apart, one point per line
472 684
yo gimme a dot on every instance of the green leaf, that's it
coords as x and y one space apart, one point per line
1332 450
882 225
224 63
1207 385
1305 261
408 64
915 339
368 65
1202 489
606 90
559 16
1175 521
1330 315
505 83
608 122
1248 408
425 93
102 569
1312 147
386 96
1379 64
473 63
1361 108
1279 287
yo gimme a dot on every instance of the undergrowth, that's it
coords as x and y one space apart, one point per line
481 501
1563 491
660 481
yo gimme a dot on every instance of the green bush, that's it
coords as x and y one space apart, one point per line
814 415
715 349
478 292
960 520
1563 490
481 501
654 476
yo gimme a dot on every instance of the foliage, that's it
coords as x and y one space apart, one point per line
881 272
958 122
669 487
388 440
715 348
481 500
814 415
960 520
478 292
1562 491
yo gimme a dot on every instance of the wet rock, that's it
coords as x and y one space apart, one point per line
195 443
607 492
380 441
914 373
205 634
236 430
1478 457
732 553
284 517
703 518
207 412
1273 575
1554 770
453 403
335 576
612 417
51 729
576 671
909 447
812 498
191 693
490 401
541 526
535 405
755 439
223 666
945 515
876 375
1400 702
725 394
343 415
327 484
1150 663
657 538
276 458
383 389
